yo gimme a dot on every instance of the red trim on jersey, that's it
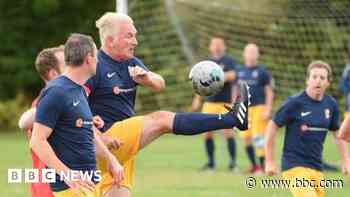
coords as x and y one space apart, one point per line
87 90
39 189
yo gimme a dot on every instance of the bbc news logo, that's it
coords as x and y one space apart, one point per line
49 175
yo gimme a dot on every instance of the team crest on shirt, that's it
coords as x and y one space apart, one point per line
304 127
79 123
116 90
255 74
327 113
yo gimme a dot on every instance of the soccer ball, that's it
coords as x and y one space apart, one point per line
207 78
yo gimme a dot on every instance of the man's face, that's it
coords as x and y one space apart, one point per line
317 81
124 41
217 47
251 55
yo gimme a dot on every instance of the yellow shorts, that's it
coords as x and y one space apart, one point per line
79 193
129 133
314 177
214 108
256 124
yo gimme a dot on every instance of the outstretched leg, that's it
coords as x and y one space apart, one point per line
162 122
138 132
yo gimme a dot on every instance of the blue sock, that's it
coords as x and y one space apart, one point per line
196 123
251 154
209 147
231 146
262 161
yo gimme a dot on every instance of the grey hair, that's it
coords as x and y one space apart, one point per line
77 47
108 24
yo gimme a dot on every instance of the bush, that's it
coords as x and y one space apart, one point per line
10 112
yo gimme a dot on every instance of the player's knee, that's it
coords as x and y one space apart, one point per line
208 135
163 120
247 140
228 134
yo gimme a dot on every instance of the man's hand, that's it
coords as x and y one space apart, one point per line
270 168
116 170
98 122
139 75
26 121
345 164
110 142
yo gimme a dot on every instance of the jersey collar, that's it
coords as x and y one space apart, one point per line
103 56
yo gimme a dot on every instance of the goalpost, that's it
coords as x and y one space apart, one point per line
122 6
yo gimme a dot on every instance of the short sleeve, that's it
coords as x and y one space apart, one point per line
265 77
230 65
50 107
335 118
138 62
283 114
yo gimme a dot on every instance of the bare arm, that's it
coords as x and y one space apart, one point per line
270 135
342 146
344 153
344 131
268 101
229 76
149 79
26 120
42 148
156 82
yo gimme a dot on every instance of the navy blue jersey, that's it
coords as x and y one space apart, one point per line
225 95
113 91
345 86
257 78
307 122
64 108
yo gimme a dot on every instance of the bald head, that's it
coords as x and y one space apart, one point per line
217 47
251 55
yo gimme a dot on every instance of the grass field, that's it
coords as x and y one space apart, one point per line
169 167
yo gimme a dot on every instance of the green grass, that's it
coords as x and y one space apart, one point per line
169 167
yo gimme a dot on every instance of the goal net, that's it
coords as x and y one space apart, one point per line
290 34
